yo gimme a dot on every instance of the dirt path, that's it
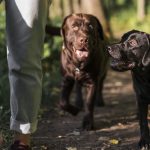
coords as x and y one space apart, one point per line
116 124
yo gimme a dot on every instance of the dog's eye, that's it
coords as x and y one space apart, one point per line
123 45
133 42
90 26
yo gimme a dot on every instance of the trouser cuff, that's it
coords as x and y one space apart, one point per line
24 128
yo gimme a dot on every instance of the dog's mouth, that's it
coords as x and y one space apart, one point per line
120 65
118 62
82 54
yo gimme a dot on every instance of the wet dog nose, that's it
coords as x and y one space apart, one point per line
109 48
83 40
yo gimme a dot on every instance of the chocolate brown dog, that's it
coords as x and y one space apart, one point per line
83 62
133 53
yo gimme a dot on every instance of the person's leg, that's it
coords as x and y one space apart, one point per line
25 26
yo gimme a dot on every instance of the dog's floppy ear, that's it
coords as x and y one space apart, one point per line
146 57
100 29
63 30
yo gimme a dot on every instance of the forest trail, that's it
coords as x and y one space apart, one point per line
116 124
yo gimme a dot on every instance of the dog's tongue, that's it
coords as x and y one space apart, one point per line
81 54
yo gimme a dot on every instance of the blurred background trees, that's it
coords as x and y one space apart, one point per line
141 9
128 13
116 17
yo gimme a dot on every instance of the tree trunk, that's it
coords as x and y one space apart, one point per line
140 10
95 7
77 6
68 7
56 9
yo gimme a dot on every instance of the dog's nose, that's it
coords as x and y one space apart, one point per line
109 48
83 40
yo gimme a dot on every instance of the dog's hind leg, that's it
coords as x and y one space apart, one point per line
99 92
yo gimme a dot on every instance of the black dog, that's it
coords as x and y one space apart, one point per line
133 53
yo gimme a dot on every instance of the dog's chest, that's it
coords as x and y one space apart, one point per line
79 74
141 82
83 76
143 75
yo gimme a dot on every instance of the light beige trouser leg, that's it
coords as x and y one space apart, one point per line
25 28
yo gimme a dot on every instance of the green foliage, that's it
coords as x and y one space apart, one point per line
124 18
4 84
121 23
51 78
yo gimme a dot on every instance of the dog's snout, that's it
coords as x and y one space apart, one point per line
83 40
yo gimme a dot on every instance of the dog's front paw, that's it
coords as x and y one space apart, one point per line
144 144
69 108
88 123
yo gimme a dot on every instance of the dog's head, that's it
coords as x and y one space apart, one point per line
132 51
81 34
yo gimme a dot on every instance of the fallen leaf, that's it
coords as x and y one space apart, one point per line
44 147
114 141
60 136
71 148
